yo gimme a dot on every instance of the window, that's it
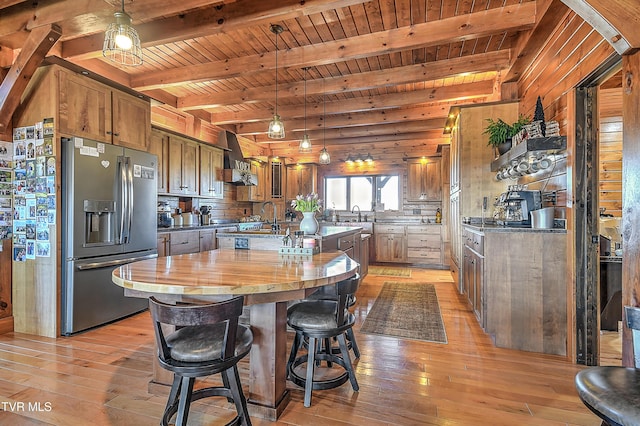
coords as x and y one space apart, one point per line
342 193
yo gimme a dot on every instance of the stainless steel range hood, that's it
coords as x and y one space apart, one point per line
236 170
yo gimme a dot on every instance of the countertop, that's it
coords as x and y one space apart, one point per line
500 228
324 232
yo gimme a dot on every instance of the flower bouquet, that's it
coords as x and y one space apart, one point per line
308 203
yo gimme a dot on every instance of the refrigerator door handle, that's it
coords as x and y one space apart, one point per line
121 188
107 264
128 199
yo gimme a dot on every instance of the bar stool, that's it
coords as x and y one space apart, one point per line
613 393
330 293
318 320
208 340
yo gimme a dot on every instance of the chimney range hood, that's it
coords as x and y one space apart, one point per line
236 170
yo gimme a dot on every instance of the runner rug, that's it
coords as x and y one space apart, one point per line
392 272
407 310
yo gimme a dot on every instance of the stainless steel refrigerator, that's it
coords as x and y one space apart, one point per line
109 197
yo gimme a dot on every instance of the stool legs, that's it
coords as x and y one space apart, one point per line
347 360
186 388
310 367
231 377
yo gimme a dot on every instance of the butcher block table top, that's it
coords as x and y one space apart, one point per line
267 279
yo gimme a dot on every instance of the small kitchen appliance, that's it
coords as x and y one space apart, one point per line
513 206
164 215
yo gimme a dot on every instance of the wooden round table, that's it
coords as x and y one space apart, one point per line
268 281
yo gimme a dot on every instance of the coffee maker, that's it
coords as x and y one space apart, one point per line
513 206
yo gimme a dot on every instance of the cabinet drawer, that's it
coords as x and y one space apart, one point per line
478 243
417 229
424 254
423 241
389 229
185 242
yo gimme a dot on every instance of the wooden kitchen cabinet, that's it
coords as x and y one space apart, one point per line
184 158
164 244
301 179
184 242
424 244
257 192
211 165
159 145
424 179
208 240
391 243
93 110
473 272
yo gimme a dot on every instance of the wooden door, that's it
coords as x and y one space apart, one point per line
211 163
208 240
85 107
131 120
414 181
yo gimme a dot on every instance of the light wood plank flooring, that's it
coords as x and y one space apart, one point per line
101 377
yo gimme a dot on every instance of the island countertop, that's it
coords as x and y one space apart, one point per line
233 272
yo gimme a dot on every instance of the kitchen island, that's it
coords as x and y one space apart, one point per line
268 281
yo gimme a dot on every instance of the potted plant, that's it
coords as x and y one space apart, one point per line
499 134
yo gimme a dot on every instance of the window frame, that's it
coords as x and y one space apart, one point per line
374 191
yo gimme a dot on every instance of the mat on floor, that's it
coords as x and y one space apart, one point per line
392 272
408 310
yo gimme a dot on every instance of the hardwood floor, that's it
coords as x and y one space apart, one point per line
101 377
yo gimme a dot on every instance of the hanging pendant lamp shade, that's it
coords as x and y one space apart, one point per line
276 126
305 142
121 41
325 158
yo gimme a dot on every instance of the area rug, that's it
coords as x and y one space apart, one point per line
392 272
407 310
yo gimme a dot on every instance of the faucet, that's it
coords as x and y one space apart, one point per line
359 216
274 225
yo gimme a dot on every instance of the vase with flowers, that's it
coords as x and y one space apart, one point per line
308 205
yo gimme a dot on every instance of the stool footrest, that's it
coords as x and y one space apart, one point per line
330 383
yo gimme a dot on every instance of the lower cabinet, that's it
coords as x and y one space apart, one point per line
208 240
184 242
473 285
391 243
364 254
164 244
424 244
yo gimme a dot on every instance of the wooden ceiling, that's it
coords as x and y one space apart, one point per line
375 70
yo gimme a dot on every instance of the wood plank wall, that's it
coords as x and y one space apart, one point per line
571 53
610 133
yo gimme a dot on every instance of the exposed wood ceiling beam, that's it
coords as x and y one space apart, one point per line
238 15
33 52
394 100
458 28
485 62
359 140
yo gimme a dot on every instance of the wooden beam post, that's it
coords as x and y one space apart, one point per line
33 52
630 193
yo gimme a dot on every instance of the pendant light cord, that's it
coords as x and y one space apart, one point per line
276 72
305 100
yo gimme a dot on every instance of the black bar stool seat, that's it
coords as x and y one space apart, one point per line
317 321
613 393
208 340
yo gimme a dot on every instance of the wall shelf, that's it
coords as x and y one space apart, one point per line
551 144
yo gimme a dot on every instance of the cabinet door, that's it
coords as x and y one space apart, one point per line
468 275
85 107
414 181
254 192
131 121
478 271
184 242
211 163
164 245
391 248
432 181
307 179
208 240
159 145
183 166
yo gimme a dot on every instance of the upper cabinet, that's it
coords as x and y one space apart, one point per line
255 192
424 179
211 164
159 145
301 179
184 158
93 110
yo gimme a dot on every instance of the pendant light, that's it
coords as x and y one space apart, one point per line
305 143
276 127
121 41
325 158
